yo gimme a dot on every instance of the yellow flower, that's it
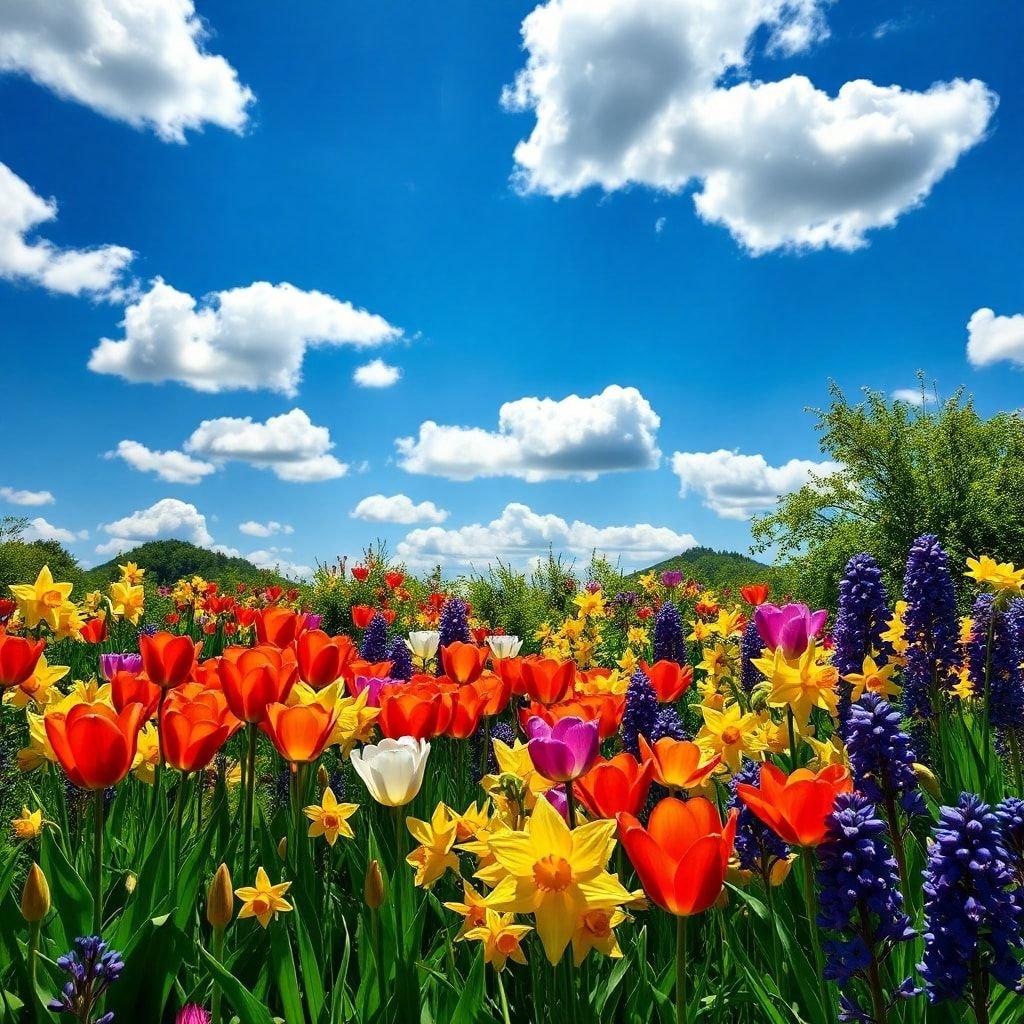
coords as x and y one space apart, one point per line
649 582
355 721
515 761
729 623
83 691
701 631
963 687
729 732
147 755
263 900
329 818
590 604
830 751
500 937
543 632
39 687
872 679
41 601
636 636
92 601
38 751
628 661
126 601
716 662
896 634
596 930
800 686
131 573
555 874
472 909
773 736
472 823
572 629
28 824
433 857
70 620
996 575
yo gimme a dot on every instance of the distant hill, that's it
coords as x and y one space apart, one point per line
719 568
168 560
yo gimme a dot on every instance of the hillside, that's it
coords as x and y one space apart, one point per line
719 568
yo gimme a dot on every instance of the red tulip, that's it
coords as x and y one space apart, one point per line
95 630
322 658
467 707
253 678
135 688
279 626
394 579
362 615
618 785
669 679
299 733
168 659
94 744
18 659
194 725
361 573
463 662
755 593
417 710
678 764
547 680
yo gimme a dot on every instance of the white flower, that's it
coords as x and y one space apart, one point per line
392 769
423 644
504 646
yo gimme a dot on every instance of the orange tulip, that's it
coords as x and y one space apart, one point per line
417 710
95 630
168 659
669 679
195 724
682 855
300 733
279 626
362 615
134 688
467 704
497 693
796 807
253 678
95 744
755 593
605 709
322 658
618 785
677 763
18 658
511 672
463 662
547 680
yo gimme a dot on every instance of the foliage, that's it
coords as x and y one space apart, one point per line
719 569
22 560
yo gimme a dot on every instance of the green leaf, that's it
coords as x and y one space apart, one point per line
282 963
70 896
470 1003
248 1009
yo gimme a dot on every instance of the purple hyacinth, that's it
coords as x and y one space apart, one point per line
1011 822
860 897
1001 661
669 644
375 640
881 757
91 968
751 647
401 659
667 723
758 848
505 733
861 619
931 627
453 623
640 713
972 915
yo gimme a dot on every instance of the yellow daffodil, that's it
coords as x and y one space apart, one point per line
554 873
472 909
329 818
472 823
263 900
729 732
542 632
628 662
729 623
147 754
83 691
649 582
433 857
896 634
716 662
636 636
28 824
572 629
70 620
39 688
872 678
596 930
41 601
515 761
126 601
826 752
701 632
966 629
773 737
590 603
501 938
131 573
963 686
355 721
38 751
801 686
999 576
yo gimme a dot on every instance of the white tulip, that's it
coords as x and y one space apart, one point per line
504 646
423 644
392 769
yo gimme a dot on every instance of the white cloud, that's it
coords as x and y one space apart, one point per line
543 439
519 533
139 61
173 466
376 374
96 272
736 486
991 338
659 225
269 529
397 508
163 520
290 445
16 497
240 339
644 92
912 396
272 559
40 529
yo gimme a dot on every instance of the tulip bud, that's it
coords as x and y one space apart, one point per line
759 697
927 781
282 847
373 886
220 899
35 897
322 778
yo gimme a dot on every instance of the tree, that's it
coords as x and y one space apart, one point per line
906 471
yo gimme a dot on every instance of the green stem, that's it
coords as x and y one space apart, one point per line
773 921
485 746
812 924
681 1014
179 817
396 884
33 956
986 710
570 802
504 999
249 796
378 956
979 991
97 863
896 834
218 955
792 739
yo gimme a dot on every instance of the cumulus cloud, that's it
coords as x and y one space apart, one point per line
644 92
271 559
245 338
142 62
17 497
543 439
376 374
397 508
163 520
97 272
40 529
290 445
736 486
912 396
993 339
520 533
173 466
269 529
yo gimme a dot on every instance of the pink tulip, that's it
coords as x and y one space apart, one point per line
564 751
789 627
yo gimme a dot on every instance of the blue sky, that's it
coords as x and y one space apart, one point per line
363 154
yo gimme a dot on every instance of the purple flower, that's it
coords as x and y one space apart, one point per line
192 1014
789 627
110 664
312 622
671 579
557 798
92 967
373 686
563 751
669 643
640 713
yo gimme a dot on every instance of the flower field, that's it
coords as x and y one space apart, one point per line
668 804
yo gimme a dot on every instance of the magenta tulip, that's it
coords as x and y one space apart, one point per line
564 751
789 627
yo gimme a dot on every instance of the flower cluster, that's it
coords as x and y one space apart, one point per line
91 968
